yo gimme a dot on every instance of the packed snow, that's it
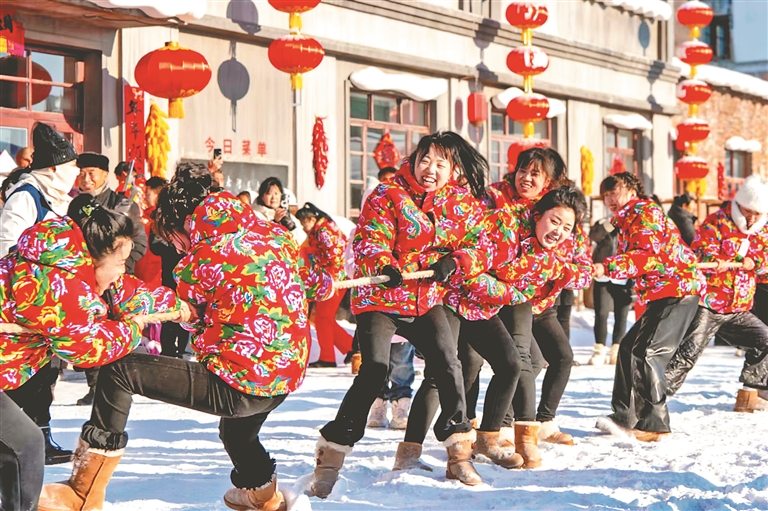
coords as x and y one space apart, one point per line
716 459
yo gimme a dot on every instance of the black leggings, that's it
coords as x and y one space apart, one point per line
760 308
554 346
604 294
22 458
36 395
191 385
435 335
487 340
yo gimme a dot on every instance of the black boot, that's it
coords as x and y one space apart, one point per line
87 400
54 454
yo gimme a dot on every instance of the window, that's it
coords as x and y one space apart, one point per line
504 131
44 85
622 147
718 36
738 165
370 116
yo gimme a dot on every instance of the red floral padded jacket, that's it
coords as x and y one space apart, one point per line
718 239
248 279
651 251
327 244
48 285
405 226
762 276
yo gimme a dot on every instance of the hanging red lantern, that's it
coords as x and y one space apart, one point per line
692 130
173 72
477 108
530 107
518 146
527 14
694 53
691 167
295 8
527 60
695 15
693 92
295 54
14 94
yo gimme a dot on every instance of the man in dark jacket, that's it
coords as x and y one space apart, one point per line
684 219
94 180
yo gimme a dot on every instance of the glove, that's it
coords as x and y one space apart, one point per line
443 268
395 277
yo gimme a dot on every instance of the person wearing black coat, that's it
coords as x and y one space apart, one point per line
684 219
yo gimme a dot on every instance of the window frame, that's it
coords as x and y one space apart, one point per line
635 151
733 183
507 138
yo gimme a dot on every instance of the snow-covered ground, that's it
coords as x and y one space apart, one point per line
716 459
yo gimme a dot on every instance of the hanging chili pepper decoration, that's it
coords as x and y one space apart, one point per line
319 152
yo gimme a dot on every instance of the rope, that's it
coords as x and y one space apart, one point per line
161 317
712 266
369 281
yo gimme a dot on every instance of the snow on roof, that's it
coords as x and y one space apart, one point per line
186 10
739 144
722 77
628 122
656 9
417 88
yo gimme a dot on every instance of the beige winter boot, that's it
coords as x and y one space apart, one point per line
550 432
329 458
400 409
488 445
409 456
263 498
377 417
751 400
86 488
598 355
356 362
527 443
614 356
507 437
459 447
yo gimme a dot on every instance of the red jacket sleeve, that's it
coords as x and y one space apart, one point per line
644 242
375 234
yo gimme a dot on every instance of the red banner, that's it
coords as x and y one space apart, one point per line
133 102
11 34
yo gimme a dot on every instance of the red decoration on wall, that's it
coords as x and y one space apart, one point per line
14 93
386 153
695 15
692 130
518 146
695 53
527 60
617 167
528 107
295 54
722 187
477 108
173 72
133 115
693 92
319 152
527 14
691 167
11 34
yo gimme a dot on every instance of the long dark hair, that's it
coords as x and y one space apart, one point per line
265 186
101 226
630 182
452 146
563 196
309 210
190 185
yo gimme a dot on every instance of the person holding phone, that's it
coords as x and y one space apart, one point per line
272 205
214 167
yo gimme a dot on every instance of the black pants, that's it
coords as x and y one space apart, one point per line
604 294
435 335
518 319
565 304
742 329
36 395
487 340
173 340
22 458
760 309
191 385
639 390
556 349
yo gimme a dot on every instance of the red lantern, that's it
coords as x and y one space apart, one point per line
527 61
691 167
477 108
527 14
173 72
695 15
693 92
294 8
692 130
530 107
518 146
694 53
295 54
14 94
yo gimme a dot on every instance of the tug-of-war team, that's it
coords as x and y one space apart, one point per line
501 255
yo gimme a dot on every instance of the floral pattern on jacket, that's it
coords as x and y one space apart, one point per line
48 285
762 273
651 252
404 226
245 275
326 246
718 239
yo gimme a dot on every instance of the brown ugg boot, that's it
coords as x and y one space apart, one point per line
408 457
507 437
329 458
527 443
488 445
459 447
263 498
749 400
356 362
86 488
550 432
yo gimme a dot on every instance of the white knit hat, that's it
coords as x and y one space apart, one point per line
753 194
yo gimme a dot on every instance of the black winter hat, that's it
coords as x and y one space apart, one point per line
93 160
51 148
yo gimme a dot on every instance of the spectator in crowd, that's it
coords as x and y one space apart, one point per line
387 174
245 197
684 219
272 205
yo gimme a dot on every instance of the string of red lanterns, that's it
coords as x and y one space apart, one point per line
694 15
527 61
295 53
